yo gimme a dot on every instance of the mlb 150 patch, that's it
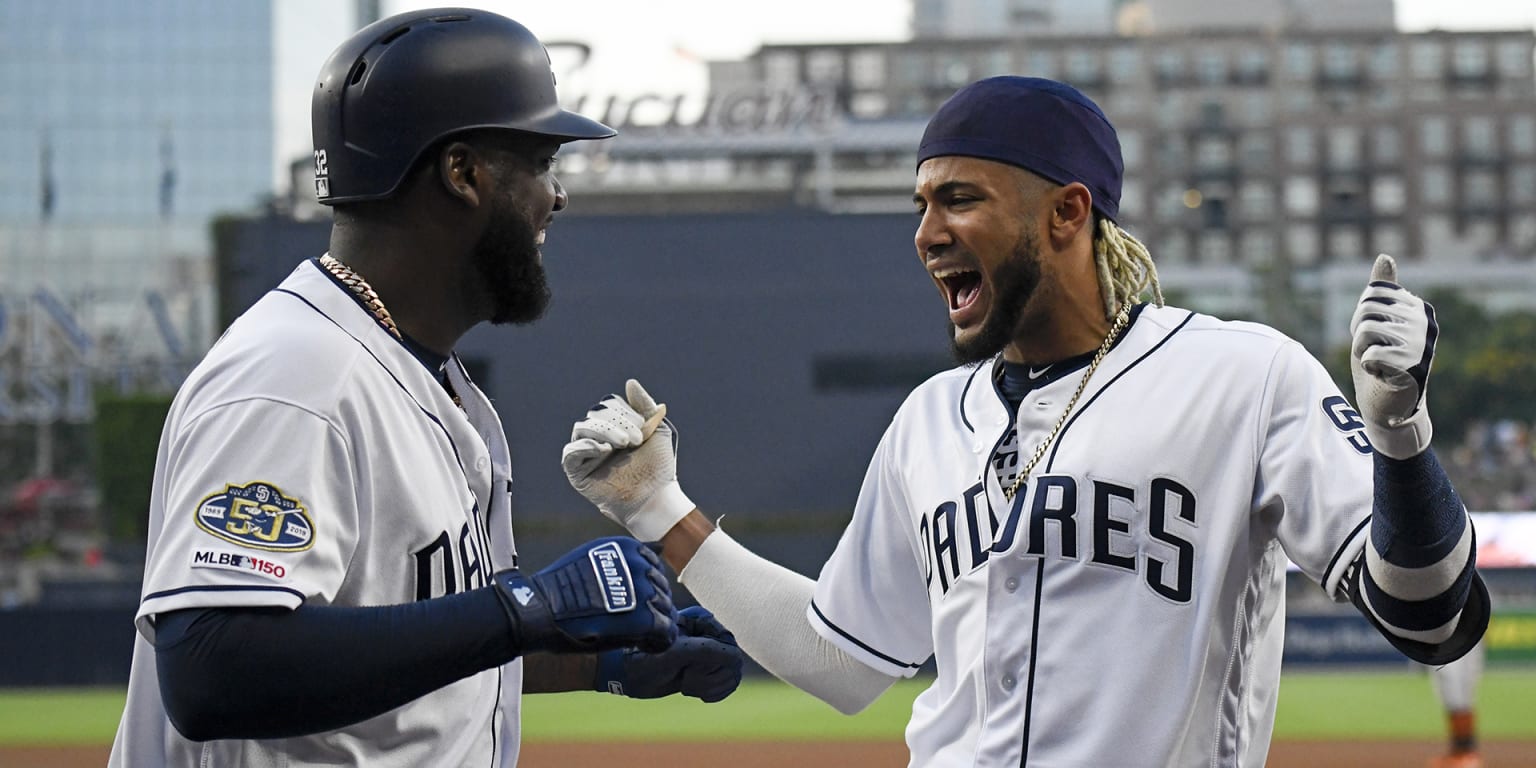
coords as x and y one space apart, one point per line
259 516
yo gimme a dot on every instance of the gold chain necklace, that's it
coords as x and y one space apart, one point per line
1121 319
375 306
364 291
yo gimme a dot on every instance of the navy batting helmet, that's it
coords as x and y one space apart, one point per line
402 83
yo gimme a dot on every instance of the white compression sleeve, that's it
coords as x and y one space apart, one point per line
764 604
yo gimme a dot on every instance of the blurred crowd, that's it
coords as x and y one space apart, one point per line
1494 466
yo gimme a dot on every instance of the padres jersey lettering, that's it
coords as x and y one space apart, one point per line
1136 530
261 498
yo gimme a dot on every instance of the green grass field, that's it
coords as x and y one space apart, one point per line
1398 705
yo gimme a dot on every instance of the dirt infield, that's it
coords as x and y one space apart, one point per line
1286 754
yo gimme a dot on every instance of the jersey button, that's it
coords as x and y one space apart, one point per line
1012 585
1008 682
481 463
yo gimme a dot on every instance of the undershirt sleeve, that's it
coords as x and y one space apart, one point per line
244 673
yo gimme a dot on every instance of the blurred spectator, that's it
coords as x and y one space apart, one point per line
1493 466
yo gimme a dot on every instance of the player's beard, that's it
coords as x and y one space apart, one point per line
1013 284
507 260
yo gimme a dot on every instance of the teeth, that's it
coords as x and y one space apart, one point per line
540 239
951 272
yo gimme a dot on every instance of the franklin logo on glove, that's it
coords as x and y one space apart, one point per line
613 574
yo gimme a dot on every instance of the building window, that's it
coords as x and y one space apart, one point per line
1339 62
1344 147
1388 194
1174 248
1132 197
1212 66
1256 201
1257 109
1169 206
1301 243
869 106
1298 61
1300 146
1039 63
1522 134
1435 185
867 69
1130 148
1384 62
1522 184
1215 249
1514 59
1258 247
781 69
1434 136
1470 59
1170 66
1346 244
1125 66
824 66
1213 154
1480 188
1253 65
1084 66
1257 149
1428 59
1480 136
1522 231
1386 144
1388 238
1301 196
954 70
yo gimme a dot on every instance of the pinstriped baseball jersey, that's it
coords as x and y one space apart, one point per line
1126 607
310 458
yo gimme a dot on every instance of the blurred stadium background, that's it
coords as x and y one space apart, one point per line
747 253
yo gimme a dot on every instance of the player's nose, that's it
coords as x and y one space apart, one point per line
932 235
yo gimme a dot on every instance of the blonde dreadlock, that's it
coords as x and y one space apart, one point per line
1125 267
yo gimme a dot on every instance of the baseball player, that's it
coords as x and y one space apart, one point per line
1086 524
1455 687
331 576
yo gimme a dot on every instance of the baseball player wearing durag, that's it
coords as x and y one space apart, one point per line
1086 524
331 576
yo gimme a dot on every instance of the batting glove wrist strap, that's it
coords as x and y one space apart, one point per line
660 512
609 593
1393 347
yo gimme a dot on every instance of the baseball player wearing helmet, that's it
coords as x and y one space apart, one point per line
1086 524
331 576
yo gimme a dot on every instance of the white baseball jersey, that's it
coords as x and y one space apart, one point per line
1126 608
310 458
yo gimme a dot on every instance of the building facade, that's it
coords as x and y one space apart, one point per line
124 129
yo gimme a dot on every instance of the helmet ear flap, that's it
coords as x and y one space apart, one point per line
396 88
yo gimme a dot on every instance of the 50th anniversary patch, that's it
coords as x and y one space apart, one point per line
259 516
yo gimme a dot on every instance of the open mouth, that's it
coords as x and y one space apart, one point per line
961 286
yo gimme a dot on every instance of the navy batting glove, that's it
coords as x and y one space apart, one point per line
608 593
704 663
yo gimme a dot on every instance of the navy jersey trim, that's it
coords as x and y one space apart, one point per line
1034 654
218 588
1029 693
1334 561
964 419
850 638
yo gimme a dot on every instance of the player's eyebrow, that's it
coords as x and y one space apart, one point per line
942 190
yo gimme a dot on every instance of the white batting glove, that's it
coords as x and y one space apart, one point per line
1394 343
629 475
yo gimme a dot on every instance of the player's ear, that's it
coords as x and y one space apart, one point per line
461 171
1071 213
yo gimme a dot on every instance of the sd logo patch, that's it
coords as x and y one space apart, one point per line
259 516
